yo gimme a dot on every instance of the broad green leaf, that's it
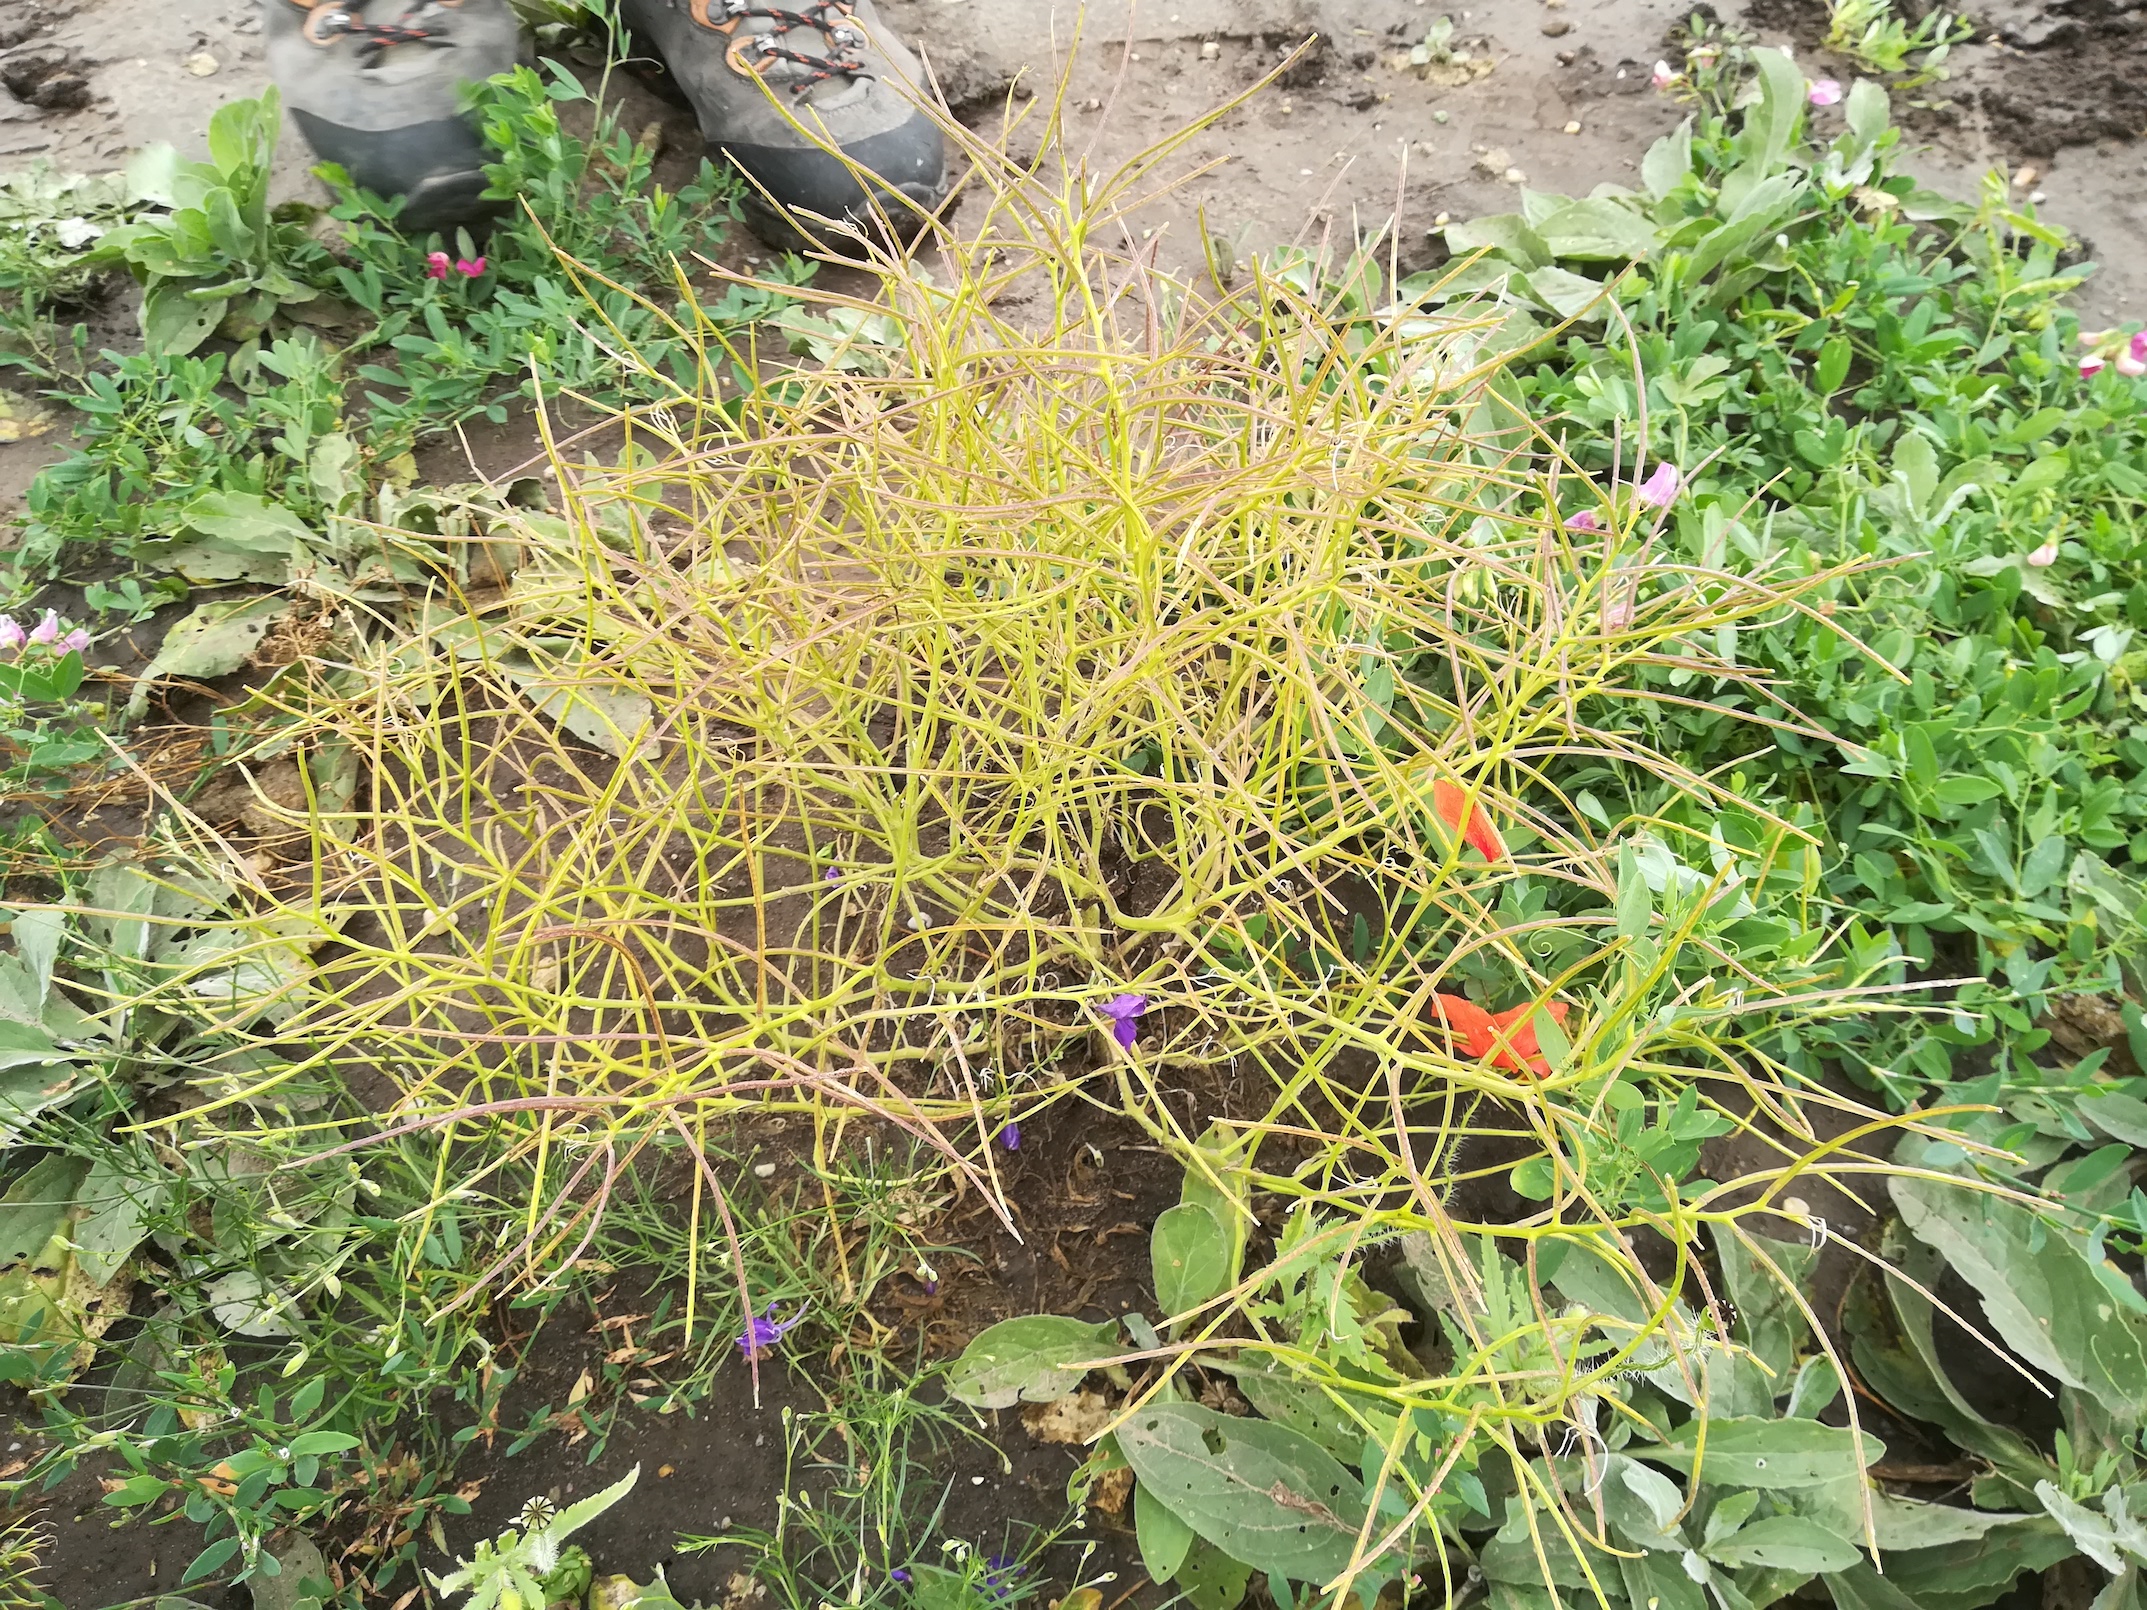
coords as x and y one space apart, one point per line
1506 233
1755 1452
1598 229
1768 1319
1784 1543
1963 1576
1668 162
599 713
1261 1493
2038 1291
114 1207
1219 1179
303 1583
214 640
1163 1538
37 1204
2113 1538
1567 295
1660 1582
1291 1400
1643 1505
1028 1360
174 323
1211 1579
2116 1114
1770 126
1190 1253
1867 111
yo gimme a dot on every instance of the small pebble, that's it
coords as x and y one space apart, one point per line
1557 28
1209 50
1438 116
2025 177
1516 176
201 64
1572 128
2038 196
1304 173
764 1171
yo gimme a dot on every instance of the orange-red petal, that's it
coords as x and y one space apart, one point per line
1451 801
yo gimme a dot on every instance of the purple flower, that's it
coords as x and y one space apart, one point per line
12 635
1124 1011
999 1574
76 641
760 1335
831 876
1586 520
47 630
1660 488
899 1574
1010 1137
436 265
1823 92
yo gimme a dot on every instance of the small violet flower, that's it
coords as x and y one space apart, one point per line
436 265
2044 556
760 1335
1663 77
76 641
1124 1011
1659 490
1823 92
469 267
1586 520
899 1574
12 635
1010 1137
47 630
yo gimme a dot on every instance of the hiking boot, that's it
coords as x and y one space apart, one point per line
848 83
372 85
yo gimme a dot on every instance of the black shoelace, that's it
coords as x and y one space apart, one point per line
822 18
374 38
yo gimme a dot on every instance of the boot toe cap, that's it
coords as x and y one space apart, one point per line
890 181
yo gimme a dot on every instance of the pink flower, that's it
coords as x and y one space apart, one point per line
11 632
469 267
76 641
47 630
1125 1011
1617 614
1823 92
436 265
2138 347
2132 361
2091 365
2044 556
1659 490
1663 78
1586 520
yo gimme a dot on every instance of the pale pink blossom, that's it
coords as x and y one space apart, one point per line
2045 556
1659 490
1617 614
47 630
76 641
436 264
1586 520
2091 366
1663 78
1824 92
2131 361
12 635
